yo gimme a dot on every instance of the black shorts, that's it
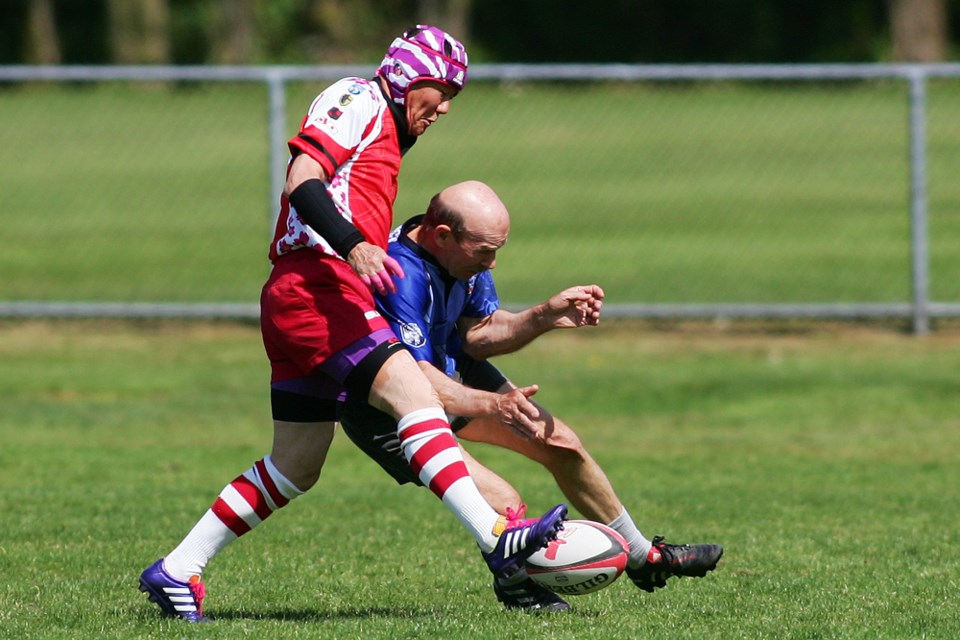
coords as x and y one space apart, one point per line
375 432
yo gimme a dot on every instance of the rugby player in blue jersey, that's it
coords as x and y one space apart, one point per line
447 314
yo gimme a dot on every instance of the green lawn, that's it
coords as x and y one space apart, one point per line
823 457
659 192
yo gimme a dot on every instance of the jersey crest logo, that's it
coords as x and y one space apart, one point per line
345 99
411 335
334 113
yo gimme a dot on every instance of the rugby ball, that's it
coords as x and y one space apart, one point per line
586 557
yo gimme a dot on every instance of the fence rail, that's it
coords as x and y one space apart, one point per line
920 310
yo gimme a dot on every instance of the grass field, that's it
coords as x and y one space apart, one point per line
662 193
823 457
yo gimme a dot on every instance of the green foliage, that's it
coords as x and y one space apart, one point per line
824 460
311 31
651 31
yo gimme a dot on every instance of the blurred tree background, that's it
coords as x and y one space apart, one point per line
356 31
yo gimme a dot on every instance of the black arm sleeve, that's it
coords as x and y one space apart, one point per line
316 207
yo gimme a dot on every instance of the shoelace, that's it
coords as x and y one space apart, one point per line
668 551
515 518
199 591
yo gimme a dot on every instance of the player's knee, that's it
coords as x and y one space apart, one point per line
560 437
562 448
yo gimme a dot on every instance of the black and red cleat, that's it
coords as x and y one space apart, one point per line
674 560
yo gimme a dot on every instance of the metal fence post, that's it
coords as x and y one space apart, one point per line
920 251
276 84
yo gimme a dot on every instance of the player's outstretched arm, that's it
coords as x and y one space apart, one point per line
504 332
574 307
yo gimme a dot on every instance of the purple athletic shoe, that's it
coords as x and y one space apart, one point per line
176 598
523 538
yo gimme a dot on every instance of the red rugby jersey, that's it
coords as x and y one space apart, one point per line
350 131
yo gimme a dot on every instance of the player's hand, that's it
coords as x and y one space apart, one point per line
375 268
515 410
575 307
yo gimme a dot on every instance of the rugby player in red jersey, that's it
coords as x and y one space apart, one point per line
321 329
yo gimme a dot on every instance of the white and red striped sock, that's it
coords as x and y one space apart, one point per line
433 453
243 504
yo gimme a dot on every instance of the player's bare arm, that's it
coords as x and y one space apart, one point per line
512 408
371 263
504 332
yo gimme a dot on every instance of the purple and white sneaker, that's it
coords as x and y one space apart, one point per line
522 538
175 597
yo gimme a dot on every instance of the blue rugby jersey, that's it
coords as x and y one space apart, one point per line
424 311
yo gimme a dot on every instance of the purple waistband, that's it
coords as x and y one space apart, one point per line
327 381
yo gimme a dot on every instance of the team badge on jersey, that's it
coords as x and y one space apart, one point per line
345 99
334 113
411 335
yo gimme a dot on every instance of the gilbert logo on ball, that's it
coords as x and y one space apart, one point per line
585 557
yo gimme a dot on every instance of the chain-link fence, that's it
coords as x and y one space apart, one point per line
826 191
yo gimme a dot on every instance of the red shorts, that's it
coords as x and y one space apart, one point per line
312 307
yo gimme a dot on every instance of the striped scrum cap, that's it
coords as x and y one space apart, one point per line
423 53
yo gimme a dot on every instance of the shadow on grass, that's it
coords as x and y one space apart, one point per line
321 615
333 615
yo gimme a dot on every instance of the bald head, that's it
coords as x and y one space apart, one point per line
470 209
463 228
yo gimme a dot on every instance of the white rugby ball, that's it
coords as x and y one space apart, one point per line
586 557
